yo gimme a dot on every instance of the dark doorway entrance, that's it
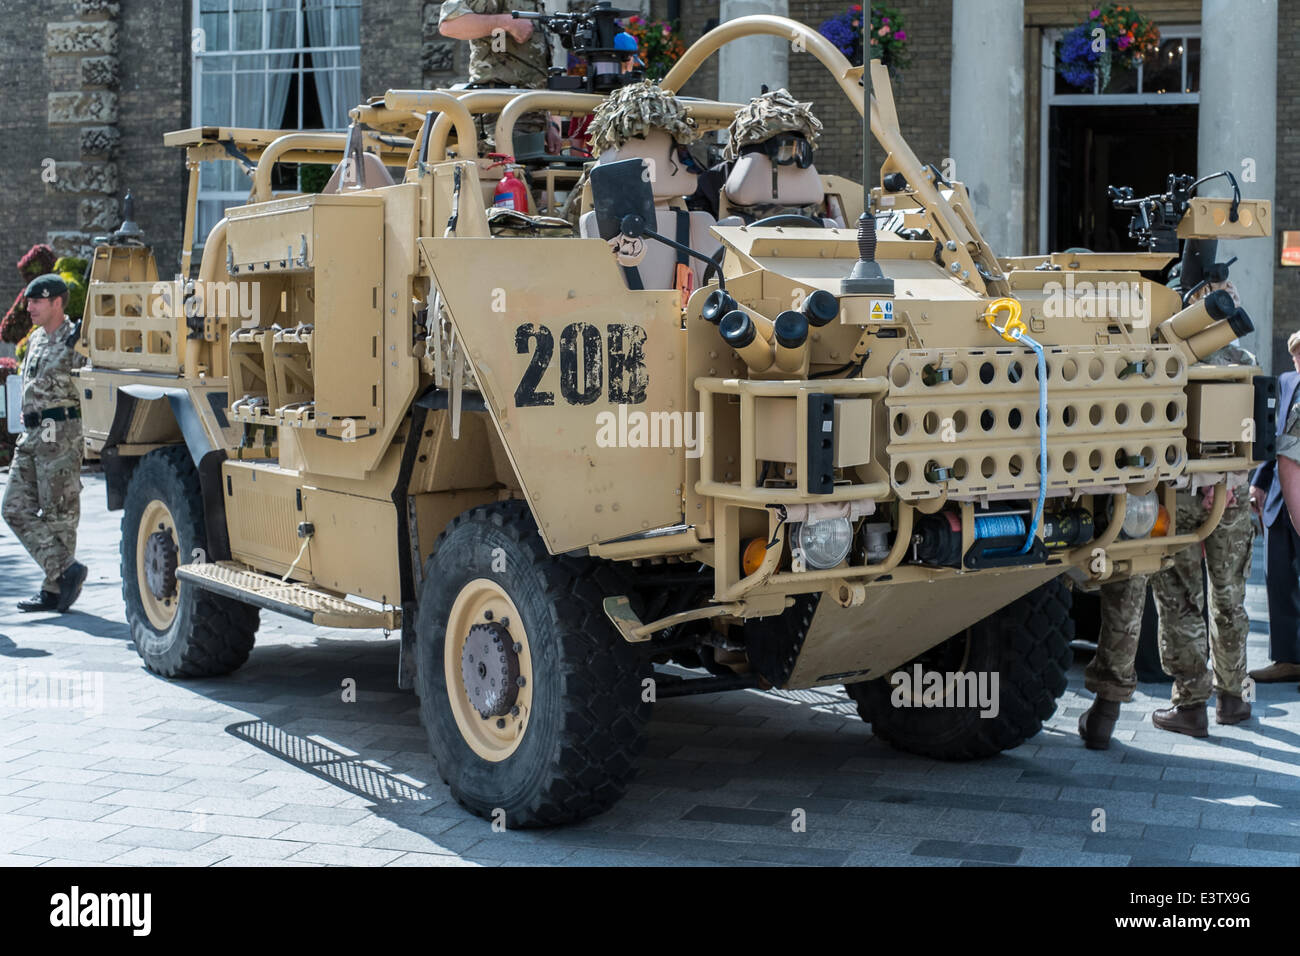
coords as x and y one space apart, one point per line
1093 147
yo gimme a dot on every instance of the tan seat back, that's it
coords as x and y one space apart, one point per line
750 184
669 180
658 270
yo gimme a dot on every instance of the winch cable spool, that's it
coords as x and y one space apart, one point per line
1014 330
998 526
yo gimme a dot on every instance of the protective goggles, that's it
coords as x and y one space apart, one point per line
785 149
688 160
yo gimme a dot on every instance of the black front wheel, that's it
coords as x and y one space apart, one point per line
1024 647
532 702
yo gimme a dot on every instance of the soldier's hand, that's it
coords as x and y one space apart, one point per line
521 30
1257 500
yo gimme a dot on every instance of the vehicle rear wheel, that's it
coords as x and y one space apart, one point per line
1026 644
531 700
178 629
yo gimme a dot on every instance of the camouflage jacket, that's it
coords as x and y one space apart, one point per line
47 369
518 64
1231 355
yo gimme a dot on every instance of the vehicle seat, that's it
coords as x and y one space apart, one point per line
750 184
670 181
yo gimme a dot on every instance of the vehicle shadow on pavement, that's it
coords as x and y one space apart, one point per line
89 623
722 775
9 649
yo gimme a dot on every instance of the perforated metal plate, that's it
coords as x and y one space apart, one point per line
297 600
966 419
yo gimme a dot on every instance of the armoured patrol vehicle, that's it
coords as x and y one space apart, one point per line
862 448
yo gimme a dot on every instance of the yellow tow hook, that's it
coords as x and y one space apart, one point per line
1014 327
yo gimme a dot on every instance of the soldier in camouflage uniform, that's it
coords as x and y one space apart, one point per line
503 52
1184 644
42 501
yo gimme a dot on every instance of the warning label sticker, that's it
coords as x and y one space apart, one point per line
882 310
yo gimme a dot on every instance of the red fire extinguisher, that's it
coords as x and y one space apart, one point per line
511 191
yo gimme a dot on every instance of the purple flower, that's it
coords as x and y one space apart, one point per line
1095 14
1078 58
1124 41
900 35
840 34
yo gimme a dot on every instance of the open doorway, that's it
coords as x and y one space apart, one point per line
1093 147
1132 128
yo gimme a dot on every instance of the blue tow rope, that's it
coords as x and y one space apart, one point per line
1020 336
1014 330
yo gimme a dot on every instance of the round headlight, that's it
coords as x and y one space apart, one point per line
1140 515
824 543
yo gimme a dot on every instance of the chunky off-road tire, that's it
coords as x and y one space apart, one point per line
1026 643
178 629
563 745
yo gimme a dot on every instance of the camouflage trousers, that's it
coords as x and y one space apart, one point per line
1184 644
42 501
1112 674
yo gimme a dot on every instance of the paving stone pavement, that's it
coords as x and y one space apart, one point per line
270 767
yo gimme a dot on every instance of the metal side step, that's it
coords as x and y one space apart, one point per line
234 580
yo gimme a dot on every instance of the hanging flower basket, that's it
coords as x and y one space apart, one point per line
657 43
888 35
1114 35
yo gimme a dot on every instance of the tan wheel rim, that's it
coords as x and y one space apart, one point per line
485 603
160 608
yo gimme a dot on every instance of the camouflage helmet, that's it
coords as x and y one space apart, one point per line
638 109
765 116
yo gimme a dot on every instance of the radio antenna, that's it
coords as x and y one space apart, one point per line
866 277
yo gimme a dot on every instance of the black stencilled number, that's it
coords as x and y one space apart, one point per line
581 387
526 395
628 376
583 363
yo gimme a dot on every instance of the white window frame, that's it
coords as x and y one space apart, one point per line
236 197
1050 98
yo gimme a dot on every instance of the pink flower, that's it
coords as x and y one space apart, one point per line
883 31
900 35
667 30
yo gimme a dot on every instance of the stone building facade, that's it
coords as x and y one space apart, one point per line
90 93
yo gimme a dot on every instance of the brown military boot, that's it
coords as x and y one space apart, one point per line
1230 709
1190 719
1276 673
1097 723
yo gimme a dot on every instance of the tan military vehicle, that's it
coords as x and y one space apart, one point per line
572 498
